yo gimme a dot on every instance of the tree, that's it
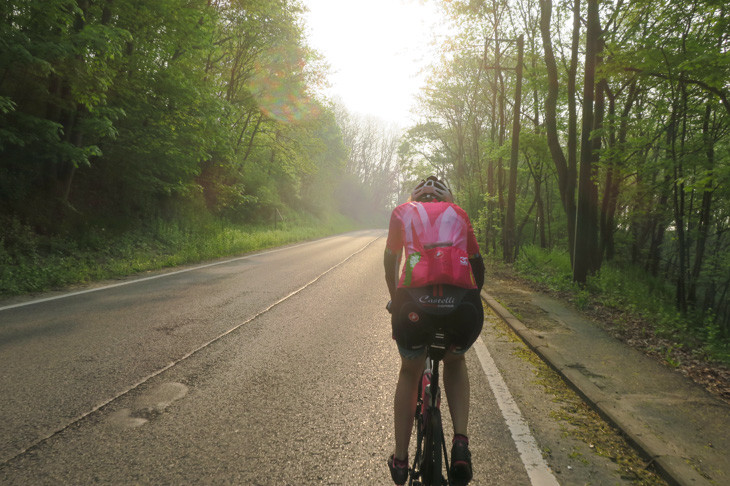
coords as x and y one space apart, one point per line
565 168
56 64
509 239
127 110
586 227
369 184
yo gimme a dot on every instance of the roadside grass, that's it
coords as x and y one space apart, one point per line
632 292
581 422
31 263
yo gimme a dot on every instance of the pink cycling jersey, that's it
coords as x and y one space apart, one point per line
438 240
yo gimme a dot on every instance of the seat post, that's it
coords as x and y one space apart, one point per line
437 352
437 348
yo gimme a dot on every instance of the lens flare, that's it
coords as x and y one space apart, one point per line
279 87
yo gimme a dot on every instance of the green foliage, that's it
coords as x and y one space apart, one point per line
547 267
632 290
113 114
661 173
31 263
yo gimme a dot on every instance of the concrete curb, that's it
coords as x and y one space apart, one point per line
673 468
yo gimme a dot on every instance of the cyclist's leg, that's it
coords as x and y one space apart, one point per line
406 396
456 386
407 325
466 324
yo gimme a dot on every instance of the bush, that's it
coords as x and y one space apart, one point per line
628 289
547 267
29 263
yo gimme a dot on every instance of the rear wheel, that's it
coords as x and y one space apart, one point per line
431 466
416 471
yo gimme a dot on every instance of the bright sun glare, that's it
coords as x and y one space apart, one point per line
377 50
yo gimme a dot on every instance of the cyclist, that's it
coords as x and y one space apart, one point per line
441 252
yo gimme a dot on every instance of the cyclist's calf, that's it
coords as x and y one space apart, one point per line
456 386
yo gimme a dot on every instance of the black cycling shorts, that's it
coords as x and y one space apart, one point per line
415 313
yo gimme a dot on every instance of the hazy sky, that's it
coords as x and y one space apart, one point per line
377 49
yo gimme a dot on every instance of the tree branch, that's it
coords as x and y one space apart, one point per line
717 91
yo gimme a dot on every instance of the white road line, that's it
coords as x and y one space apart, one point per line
147 378
537 469
153 277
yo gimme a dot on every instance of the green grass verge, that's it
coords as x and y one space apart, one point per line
630 290
30 263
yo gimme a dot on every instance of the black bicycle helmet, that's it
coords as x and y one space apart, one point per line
430 189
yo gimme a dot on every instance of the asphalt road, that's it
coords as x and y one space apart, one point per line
274 368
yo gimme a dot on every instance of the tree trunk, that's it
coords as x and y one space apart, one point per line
658 226
706 209
490 233
616 142
709 299
509 230
540 216
572 169
596 143
586 233
566 184
610 191
72 120
500 166
679 211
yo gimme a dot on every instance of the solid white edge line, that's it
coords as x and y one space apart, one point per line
153 277
537 469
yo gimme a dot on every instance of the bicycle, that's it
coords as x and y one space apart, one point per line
427 467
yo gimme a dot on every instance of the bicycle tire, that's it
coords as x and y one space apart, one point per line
415 472
431 472
436 439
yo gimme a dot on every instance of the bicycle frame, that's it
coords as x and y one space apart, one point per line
430 446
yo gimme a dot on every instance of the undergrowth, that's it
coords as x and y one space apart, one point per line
32 263
630 290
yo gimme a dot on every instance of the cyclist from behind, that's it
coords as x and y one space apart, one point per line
442 267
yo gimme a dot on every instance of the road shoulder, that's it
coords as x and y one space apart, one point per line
674 422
